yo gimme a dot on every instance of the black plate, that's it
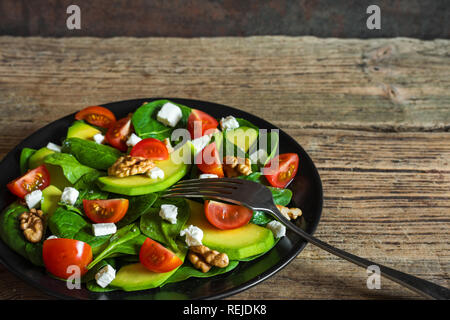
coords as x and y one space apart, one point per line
307 195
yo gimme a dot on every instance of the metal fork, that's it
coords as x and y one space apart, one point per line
258 197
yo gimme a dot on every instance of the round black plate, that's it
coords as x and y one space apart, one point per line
307 195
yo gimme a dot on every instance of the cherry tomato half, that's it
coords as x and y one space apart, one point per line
208 160
157 258
38 178
150 148
96 115
105 211
60 254
227 216
118 133
199 122
282 169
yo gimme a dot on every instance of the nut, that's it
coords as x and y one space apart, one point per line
289 213
204 258
235 166
32 225
127 166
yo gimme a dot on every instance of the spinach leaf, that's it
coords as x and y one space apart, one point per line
146 126
261 218
245 123
72 169
138 206
68 224
187 270
11 234
89 277
24 156
153 226
90 153
122 235
88 181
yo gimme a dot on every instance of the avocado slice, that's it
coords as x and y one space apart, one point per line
243 137
50 198
57 177
135 276
142 184
79 129
239 243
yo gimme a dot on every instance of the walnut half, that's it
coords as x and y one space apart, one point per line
32 225
289 213
204 258
235 166
127 166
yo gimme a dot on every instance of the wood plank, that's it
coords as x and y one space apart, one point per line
372 114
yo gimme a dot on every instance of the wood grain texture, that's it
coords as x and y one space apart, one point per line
374 115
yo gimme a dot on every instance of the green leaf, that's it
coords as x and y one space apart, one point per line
145 123
115 241
138 206
187 271
90 153
12 235
24 156
72 169
153 226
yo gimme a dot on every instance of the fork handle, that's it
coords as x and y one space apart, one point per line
421 286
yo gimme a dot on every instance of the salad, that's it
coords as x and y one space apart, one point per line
89 207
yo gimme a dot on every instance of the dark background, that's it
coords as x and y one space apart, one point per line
425 19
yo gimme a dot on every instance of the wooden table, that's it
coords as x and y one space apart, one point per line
373 114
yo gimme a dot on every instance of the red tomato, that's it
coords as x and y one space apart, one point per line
208 160
118 133
105 211
156 258
60 254
199 122
282 169
35 179
98 116
227 216
150 148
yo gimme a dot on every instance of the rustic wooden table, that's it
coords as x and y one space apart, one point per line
373 114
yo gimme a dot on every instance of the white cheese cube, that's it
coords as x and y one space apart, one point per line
278 229
169 212
52 237
155 173
69 195
53 147
133 140
259 156
194 235
200 143
207 175
169 114
168 145
33 199
105 276
229 122
99 138
103 229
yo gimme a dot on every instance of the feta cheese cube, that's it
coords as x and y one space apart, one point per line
259 156
156 173
53 147
133 140
200 143
52 237
103 229
229 122
33 199
169 114
194 235
69 195
99 138
207 175
105 276
168 145
169 212
278 229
